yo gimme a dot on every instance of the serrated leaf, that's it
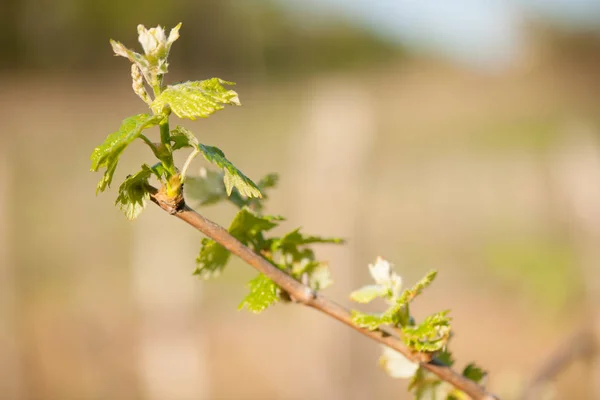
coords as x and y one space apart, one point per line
409 294
141 60
368 321
445 357
319 277
398 314
368 293
196 99
427 386
247 224
263 293
133 193
474 373
212 259
182 137
295 238
245 227
429 336
269 181
396 364
233 176
207 188
108 153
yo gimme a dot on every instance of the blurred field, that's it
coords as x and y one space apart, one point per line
489 178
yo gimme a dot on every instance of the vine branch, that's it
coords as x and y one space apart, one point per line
579 345
305 295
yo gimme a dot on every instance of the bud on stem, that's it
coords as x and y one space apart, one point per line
138 84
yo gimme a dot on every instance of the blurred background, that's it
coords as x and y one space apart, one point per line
462 136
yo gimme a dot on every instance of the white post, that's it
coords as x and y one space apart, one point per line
172 352
577 169
329 160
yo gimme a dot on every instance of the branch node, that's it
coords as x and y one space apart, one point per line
169 203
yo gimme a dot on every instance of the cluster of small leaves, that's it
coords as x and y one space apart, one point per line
191 100
388 286
289 252
430 336
426 385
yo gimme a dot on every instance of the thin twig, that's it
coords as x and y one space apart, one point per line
305 295
579 345
187 163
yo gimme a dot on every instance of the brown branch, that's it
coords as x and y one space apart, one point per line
305 295
579 345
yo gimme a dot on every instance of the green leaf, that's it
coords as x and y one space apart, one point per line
108 153
409 294
269 181
207 188
427 386
212 259
233 176
196 99
182 137
445 357
398 314
133 193
474 373
368 293
294 239
247 224
429 336
369 321
245 227
263 293
319 275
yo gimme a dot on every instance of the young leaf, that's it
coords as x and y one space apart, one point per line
409 294
196 99
368 293
182 137
212 259
396 364
369 321
108 153
140 60
207 188
429 336
474 373
247 224
245 227
263 293
133 193
233 176
320 277
398 314
445 357
427 386
269 181
294 239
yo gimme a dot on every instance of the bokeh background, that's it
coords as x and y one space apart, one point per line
462 136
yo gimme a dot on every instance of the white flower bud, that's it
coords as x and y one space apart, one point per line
384 275
396 364
154 41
